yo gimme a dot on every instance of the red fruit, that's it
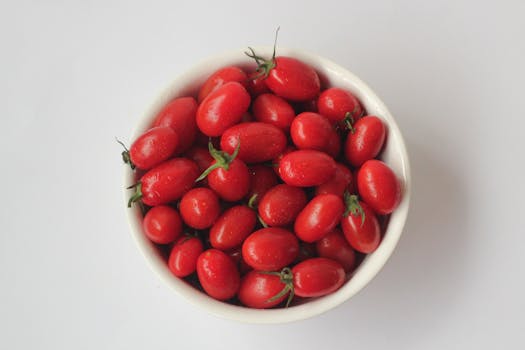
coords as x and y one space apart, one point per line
179 114
262 178
153 147
365 141
311 131
335 103
218 274
201 156
258 288
200 208
320 216
259 142
222 108
305 168
339 183
256 84
221 77
378 186
281 205
270 249
183 257
361 227
232 227
162 224
317 277
272 109
334 246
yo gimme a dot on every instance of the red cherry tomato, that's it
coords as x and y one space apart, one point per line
339 183
259 142
281 205
201 156
317 277
334 246
179 114
256 84
162 224
262 178
236 255
276 161
232 184
335 103
218 274
311 131
232 227
153 147
200 208
366 141
183 257
362 231
272 109
378 186
258 288
166 182
305 168
270 249
221 77
222 108
320 216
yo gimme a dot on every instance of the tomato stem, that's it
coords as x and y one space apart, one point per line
222 159
349 121
125 155
353 207
137 195
251 201
264 66
264 224
286 277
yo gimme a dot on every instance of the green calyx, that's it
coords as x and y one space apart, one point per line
222 159
137 196
264 66
349 122
126 158
286 277
353 207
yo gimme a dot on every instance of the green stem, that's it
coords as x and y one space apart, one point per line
264 66
222 159
126 158
137 195
353 207
349 122
251 201
286 277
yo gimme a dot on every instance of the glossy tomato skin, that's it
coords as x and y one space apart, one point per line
281 205
200 208
218 274
258 288
272 109
183 257
334 103
335 246
162 224
222 108
221 77
153 147
257 84
378 186
232 227
270 249
262 179
179 114
311 131
362 236
305 168
320 216
276 161
259 142
339 183
366 141
293 79
317 277
232 184
168 181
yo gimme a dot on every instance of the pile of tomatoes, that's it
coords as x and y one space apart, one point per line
264 187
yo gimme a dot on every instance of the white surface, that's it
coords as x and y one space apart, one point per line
74 76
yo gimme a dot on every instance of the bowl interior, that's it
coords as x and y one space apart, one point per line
394 154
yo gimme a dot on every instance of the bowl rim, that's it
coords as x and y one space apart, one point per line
375 261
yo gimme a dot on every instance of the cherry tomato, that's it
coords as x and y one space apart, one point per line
232 227
236 255
199 208
201 156
258 288
232 184
317 277
311 131
339 183
262 178
270 249
281 205
305 168
333 148
276 161
361 229
162 224
153 147
272 109
334 246
320 216
335 103
183 257
378 186
259 142
166 182
366 140
222 108
221 77
218 274
256 84
179 114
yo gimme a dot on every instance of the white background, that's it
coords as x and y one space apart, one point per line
73 75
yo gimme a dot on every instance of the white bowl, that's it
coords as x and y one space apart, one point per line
394 154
